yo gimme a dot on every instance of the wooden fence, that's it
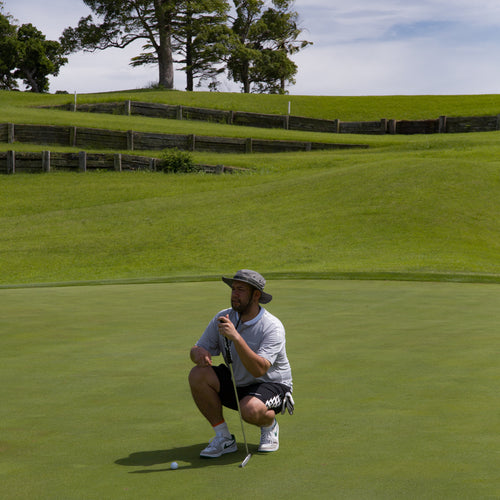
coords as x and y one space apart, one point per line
90 138
12 162
442 124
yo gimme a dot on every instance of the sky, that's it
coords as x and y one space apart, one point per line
360 47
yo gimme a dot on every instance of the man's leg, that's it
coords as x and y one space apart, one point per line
255 412
259 408
205 387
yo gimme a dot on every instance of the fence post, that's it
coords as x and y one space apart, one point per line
82 161
117 160
230 118
11 162
130 140
191 142
46 161
249 145
286 122
383 126
442 125
337 126
391 127
72 136
498 122
10 133
179 112
128 107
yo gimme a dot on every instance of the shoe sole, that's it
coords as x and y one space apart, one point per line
231 449
260 450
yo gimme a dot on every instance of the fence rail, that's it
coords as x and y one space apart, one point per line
91 138
442 124
12 162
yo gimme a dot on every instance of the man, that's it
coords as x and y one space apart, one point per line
261 369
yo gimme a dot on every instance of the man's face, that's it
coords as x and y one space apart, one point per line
241 296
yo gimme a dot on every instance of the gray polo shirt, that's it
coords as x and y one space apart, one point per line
264 334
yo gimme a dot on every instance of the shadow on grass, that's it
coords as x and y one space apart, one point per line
188 457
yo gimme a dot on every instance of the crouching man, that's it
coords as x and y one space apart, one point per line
261 369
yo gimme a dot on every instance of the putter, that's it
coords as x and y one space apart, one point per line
230 363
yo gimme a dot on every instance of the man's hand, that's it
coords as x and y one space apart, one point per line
201 356
227 328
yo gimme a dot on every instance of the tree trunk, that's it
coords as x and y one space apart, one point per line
189 61
245 78
31 80
166 63
165 57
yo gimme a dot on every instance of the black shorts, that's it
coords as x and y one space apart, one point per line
270 393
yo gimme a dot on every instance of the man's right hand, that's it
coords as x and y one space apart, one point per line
201 356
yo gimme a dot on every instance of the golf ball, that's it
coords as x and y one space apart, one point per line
174 465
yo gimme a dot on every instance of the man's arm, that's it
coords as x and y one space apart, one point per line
256 365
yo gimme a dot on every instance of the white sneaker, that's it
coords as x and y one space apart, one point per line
219 445
269 438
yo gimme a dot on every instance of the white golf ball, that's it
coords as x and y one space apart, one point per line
174 465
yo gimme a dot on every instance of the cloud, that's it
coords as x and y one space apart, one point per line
401 47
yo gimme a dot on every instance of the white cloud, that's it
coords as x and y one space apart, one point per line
399 47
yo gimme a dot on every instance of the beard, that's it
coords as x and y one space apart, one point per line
241 307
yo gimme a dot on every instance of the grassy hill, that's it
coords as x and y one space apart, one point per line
414 207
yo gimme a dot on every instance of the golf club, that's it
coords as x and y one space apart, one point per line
230 363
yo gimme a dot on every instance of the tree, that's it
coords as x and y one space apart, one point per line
8 53
198 40
124 22
264 39
25 54
37 58
202 40
255 48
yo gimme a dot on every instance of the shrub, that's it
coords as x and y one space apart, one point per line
175 160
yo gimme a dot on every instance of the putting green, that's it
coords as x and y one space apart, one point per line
395 390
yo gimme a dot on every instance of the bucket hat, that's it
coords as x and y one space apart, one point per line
254 279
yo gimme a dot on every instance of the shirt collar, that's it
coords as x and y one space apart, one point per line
257 318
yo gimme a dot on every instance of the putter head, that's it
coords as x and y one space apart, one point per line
247 458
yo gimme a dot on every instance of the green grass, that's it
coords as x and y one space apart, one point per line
327 107
429 211
395 382
394 386
417 206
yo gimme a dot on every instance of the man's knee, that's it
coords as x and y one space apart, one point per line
252 409
202 375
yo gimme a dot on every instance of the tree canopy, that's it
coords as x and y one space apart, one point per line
253 40
26 55
264 40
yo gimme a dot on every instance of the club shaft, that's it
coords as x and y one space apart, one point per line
239 408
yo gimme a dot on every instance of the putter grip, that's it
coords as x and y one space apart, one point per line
228 350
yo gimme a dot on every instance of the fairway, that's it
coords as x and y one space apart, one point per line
395 390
